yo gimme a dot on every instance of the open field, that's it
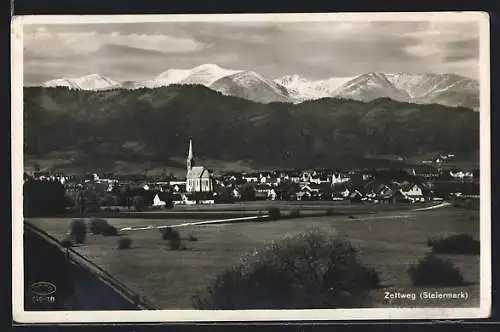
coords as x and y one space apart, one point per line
388 241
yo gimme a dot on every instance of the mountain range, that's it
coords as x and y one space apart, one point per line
445 89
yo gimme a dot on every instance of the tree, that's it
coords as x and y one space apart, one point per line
138 203
247 193
43 197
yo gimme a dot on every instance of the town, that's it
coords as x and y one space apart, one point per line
94 192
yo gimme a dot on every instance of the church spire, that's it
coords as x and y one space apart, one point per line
190 158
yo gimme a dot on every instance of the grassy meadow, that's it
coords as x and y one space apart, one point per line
388 241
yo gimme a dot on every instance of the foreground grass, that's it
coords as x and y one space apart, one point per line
388 242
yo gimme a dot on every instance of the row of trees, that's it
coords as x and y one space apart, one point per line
44 197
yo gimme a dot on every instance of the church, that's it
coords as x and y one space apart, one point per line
198 178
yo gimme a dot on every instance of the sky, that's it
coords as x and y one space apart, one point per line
313 50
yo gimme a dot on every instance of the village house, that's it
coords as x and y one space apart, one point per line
308 191
413 192
425 172
305 177
356 196
338 177
320 179
262 191
461 175
251 177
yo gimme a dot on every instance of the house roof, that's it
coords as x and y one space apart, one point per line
408 186
197 172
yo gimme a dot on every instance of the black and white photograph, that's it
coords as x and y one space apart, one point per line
251 167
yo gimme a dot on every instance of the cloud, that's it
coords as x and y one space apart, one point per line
315 50
45 42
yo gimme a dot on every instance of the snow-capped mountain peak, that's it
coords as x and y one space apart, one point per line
371 86
253 86
204 74
88 82
446 89
302 89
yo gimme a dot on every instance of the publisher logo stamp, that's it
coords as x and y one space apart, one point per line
43 292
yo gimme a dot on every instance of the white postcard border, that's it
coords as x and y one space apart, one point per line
22 316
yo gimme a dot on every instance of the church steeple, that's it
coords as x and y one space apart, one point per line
190 158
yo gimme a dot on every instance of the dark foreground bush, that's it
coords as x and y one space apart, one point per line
459 244
124 243
173 237
434 271
98 226
274 213
78 231
110 231
306 271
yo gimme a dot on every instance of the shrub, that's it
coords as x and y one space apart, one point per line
117 210
192 238
67 243
166 233
173 237
310 270
98 226
78 231
459 244
294 213
434 271
274 213
124 243
169 204
329 212
110 231
108 200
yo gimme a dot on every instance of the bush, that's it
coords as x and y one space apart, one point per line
305 271
294 213
192 238
329 212
434 271
67 243
124 243
110 231
173 237
459 244
117 210
78 231
98 226
107 200
274 213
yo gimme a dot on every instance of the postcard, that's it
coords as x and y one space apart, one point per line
251 167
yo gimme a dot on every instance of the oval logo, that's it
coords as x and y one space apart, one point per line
43 288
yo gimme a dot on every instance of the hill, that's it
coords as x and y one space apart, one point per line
154 125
